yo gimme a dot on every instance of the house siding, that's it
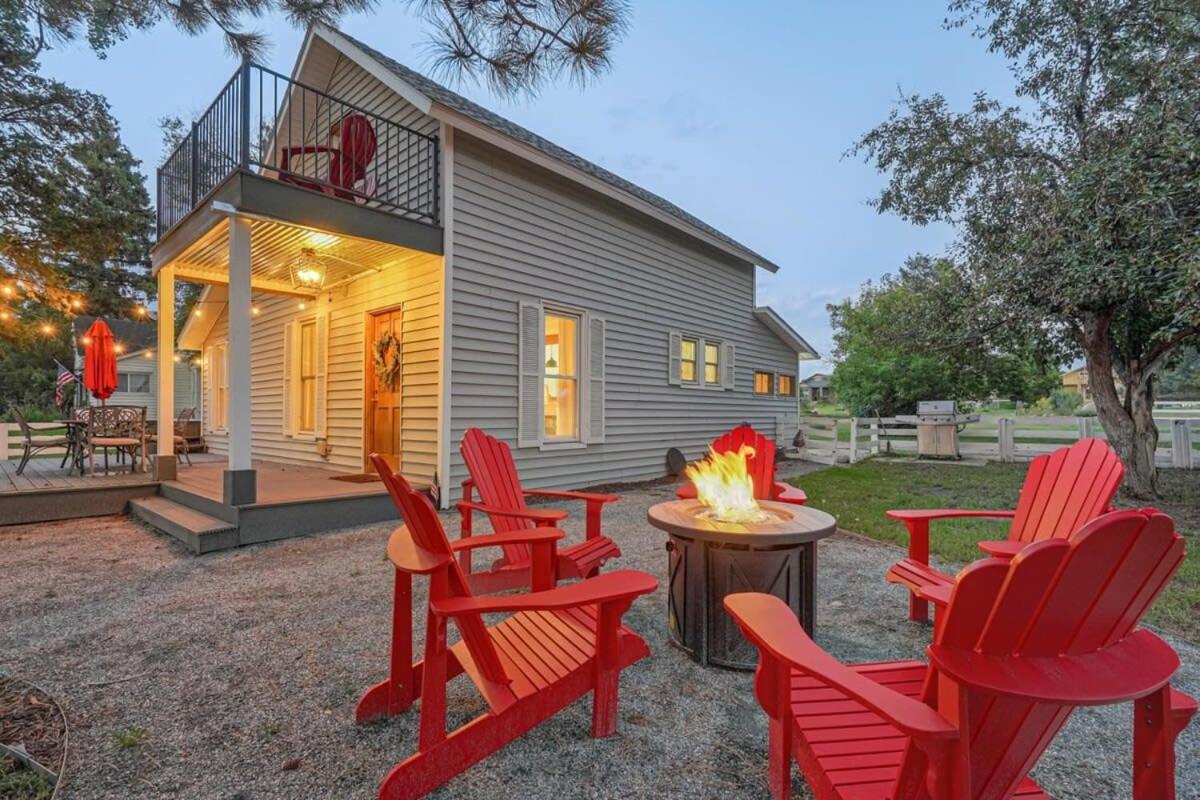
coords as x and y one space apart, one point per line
524 234
187 380
414 284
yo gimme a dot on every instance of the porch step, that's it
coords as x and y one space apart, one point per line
200 532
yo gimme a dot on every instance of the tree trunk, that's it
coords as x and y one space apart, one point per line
1129 424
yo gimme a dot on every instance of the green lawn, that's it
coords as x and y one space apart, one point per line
859 495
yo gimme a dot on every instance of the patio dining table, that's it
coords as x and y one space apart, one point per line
74 433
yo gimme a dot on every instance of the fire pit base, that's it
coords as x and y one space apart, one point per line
708 560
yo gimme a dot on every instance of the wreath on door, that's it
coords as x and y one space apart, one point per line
387 359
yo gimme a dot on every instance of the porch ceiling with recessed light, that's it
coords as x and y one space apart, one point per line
275 248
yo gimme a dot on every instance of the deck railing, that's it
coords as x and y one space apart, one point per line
267 123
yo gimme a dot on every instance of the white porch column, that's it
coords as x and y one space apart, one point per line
164 459
240 482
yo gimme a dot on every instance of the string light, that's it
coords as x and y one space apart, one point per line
8 291
76 303
47 328
5 315
302 305
85 340
141 311
198 311
149 354
118 348
178 358
254 310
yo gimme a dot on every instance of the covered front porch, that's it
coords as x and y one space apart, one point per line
313 224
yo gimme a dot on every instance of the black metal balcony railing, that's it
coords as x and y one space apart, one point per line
265 122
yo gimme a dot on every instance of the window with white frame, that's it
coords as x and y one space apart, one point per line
218 367
307 421
699 362
562 370
689 350
560 377
133 382
304 354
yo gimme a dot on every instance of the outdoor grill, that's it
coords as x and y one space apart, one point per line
938 425
709 559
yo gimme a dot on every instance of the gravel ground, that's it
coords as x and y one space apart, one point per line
240 670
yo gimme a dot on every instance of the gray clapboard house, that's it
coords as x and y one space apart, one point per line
387 263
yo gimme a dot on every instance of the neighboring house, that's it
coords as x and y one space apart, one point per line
137 368
1076 380
816 388
386 227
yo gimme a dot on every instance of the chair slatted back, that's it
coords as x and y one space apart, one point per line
355 151
1059 597
424 527
22 423
761 465
494 472
1066 489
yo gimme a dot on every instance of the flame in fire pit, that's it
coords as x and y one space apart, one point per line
725 487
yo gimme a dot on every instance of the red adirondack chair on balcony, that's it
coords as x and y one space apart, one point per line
1063 490
494 476
761 467
348 160
557 646
1025 641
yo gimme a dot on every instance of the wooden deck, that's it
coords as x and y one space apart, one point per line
46 491
277 483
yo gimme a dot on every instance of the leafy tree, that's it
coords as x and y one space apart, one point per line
74 214
1181 380
514 45
895 345
1078 210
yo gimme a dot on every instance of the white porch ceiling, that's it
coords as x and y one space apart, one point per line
273 248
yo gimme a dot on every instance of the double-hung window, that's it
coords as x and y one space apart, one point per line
562 374
307 421
787 386
762 382
697 362
560 377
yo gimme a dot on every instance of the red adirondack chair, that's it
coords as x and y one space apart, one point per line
556 646
1025 641
761 467
494 476
1063 490
347 162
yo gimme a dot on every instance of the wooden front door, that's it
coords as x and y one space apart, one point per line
382 409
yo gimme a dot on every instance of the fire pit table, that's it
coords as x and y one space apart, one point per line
709 559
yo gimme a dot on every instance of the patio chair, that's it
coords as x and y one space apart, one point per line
554 647
122 428
180 433
1063 490
761 467
33 444
502 498
347 162
1025 641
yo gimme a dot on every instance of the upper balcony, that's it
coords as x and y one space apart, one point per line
268 125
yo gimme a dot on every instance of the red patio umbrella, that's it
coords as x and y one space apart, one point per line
99 361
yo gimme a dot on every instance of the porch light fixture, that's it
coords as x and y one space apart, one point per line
307 270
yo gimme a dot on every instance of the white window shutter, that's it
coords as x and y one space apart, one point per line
594 432
289 372
530 351
225 383
727 366
322 356
674 368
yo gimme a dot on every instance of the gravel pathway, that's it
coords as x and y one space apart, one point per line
235 675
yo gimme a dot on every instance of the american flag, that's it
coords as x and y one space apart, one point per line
65 376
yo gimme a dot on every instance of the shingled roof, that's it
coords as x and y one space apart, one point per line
456 102
132 334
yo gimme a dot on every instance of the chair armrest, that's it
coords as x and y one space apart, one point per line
686 492
535 514
527 536
1003 548
1133 667
624 584
302 149
786 493
590 497
926 514
772 627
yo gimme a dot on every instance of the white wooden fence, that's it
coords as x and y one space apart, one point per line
12 442
830 440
